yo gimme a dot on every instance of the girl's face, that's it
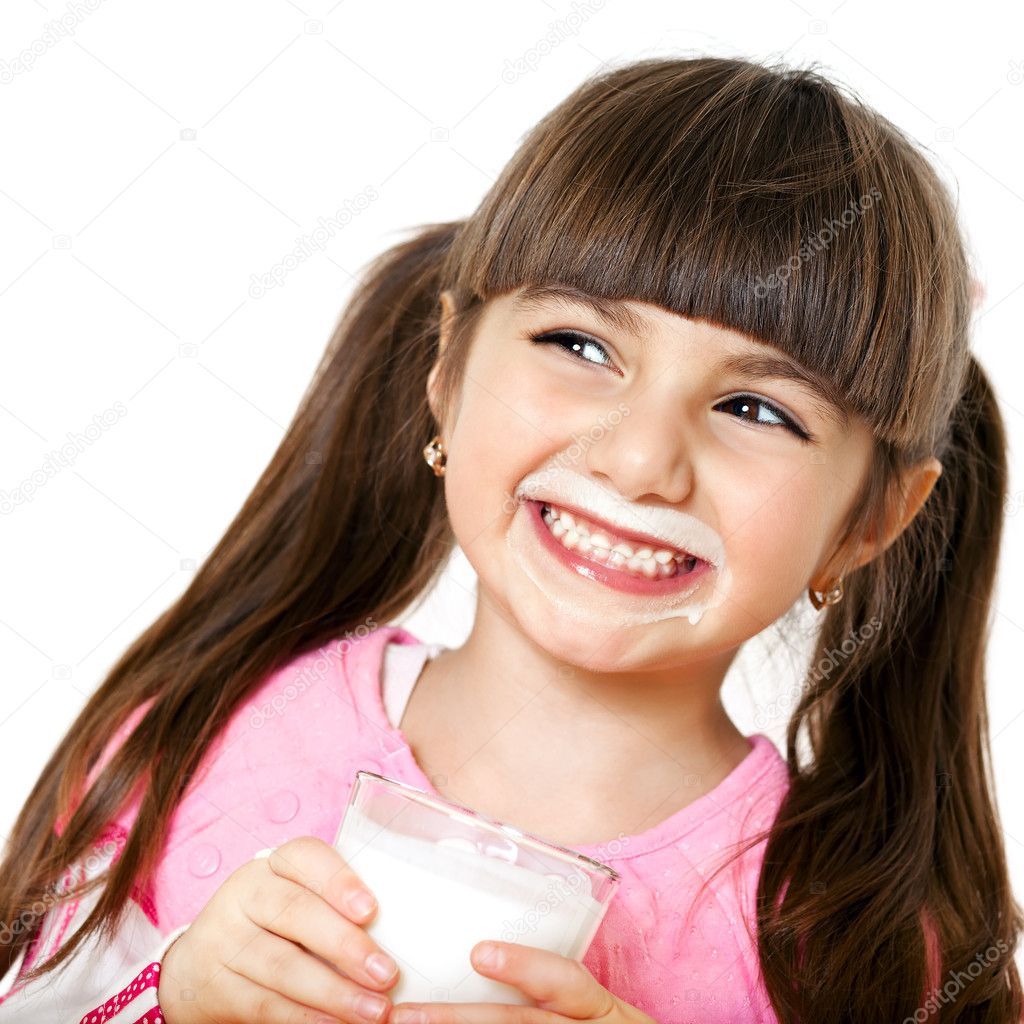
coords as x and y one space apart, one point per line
644 408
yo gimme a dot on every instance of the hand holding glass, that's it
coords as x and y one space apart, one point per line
446 878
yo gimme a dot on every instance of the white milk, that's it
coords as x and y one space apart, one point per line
436 901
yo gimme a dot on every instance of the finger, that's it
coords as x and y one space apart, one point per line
311 862
276 964
241 999
291 911
560 987
472 1013
557 983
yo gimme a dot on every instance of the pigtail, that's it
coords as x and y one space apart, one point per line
345 528
887 849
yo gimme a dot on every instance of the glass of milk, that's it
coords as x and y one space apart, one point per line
446 877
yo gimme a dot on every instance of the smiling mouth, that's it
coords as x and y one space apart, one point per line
597 545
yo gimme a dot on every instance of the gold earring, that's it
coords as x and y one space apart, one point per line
833 596
436 456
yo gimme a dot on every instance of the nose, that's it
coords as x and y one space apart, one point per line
644 456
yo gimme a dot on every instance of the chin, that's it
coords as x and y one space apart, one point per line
580 645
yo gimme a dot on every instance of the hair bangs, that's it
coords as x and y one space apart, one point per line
752 199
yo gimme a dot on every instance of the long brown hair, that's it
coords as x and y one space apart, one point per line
765 199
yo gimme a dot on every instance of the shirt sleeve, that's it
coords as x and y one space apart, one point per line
105 981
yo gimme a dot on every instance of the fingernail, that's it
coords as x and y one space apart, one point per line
489 955
371 1007
407 1015
361 902
380 966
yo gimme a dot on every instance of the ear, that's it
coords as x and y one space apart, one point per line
918 484
444 334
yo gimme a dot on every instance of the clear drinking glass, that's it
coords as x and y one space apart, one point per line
446 877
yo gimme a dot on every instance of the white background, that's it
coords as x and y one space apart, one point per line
158 156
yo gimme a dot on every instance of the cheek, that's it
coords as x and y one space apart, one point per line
773 530
501 434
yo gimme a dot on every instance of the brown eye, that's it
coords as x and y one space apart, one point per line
745 403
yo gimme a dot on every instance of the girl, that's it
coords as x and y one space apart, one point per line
701 353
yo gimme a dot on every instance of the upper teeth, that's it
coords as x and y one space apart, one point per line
651 561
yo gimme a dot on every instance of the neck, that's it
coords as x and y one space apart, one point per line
510 728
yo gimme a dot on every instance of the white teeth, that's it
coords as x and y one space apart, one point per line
648 566
646 561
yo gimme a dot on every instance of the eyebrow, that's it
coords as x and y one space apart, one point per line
611 313
615 316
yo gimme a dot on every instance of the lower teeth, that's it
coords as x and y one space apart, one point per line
617 560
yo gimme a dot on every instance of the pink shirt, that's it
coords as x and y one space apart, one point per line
645 952
284 766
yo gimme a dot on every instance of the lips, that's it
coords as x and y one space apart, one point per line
616 533
608 575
